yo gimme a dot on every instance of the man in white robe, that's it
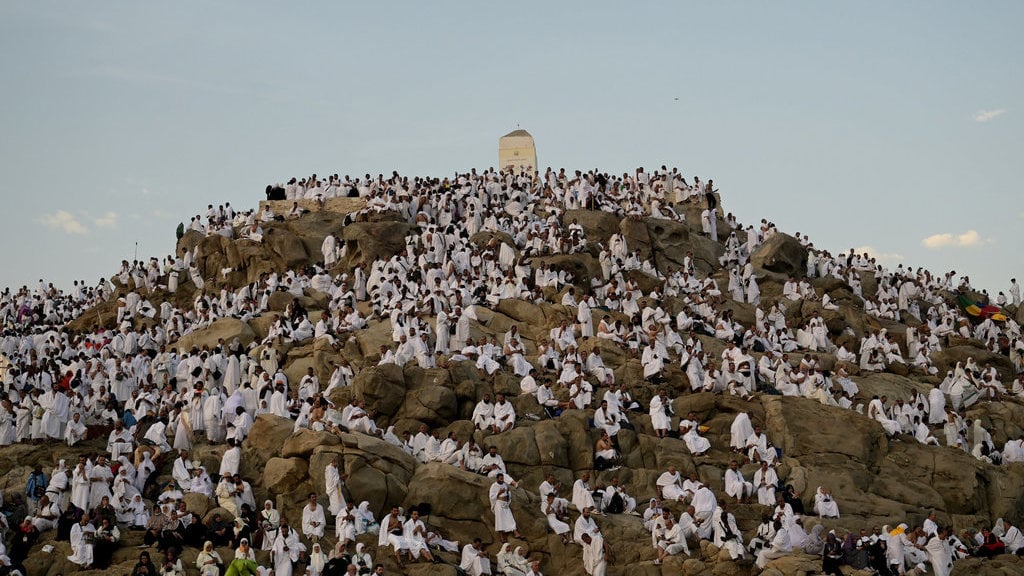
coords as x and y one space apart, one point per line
100 478
285 550
415 531
939 553
76 430
671 485
726 534
765 482
181 471
504 415
483 413
595 554
585 524
660 411
876 411
555 509
474 559
313 519
672 541
333 480
779 547
120 441
1012 537
582 496
392 528
760 450
500 496
689 430
735 485
81 542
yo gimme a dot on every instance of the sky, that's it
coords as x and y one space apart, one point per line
889 127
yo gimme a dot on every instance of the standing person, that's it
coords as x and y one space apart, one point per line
334 480
500 495
35 487
595 554
285 551
939 553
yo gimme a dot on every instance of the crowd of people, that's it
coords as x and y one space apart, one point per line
153 400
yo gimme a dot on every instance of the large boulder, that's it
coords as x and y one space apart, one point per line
221 330
673 241
286 246
433 405
370 241
781 253
383 388
598 225
282 475
801 427
268 434
377 471
302 443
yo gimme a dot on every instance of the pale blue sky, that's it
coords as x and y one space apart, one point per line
861 123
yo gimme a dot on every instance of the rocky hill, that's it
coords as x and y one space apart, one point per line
876 479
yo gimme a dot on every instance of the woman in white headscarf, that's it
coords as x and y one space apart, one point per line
317 561
361 558
124 482
183 431
143 470
391 438
365 523
270 519
208 561
652 514
132 511
518 561
507 562
824 504
245 551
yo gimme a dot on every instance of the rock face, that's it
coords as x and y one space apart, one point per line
222 330
782 254
369 241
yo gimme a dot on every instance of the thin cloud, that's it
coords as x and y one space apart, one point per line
63 221
108 220
883 258
946 239
988 115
